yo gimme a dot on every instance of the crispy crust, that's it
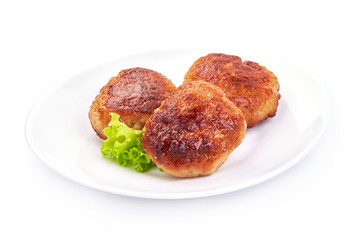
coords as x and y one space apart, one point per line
194 130
134 94
253 88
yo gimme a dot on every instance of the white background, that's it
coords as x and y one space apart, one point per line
44 42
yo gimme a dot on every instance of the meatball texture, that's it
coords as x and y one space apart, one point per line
133 94
253 88
194 130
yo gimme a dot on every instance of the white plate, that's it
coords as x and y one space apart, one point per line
59 132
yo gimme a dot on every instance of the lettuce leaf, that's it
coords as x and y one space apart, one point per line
124 145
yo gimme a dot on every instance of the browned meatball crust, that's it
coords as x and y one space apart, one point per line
194 130
253 88
133 94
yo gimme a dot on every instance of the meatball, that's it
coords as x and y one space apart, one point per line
253 88
194 130
133 94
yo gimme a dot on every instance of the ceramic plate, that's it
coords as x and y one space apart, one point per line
59 132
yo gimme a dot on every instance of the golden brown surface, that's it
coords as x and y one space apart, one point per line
252 87
133 94
194 130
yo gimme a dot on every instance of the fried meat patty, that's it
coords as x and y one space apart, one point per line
194 130
133 94
253 88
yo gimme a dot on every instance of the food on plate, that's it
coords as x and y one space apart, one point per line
253 88
133 94
190 131
124 145
194 130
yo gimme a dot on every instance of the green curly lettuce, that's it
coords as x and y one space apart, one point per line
124 145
